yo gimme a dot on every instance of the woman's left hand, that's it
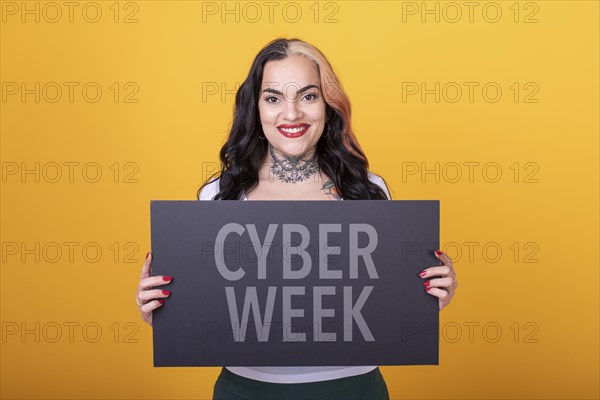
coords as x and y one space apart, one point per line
444 281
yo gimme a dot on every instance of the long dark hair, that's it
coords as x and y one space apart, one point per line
339 155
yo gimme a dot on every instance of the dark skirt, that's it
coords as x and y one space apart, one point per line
369 386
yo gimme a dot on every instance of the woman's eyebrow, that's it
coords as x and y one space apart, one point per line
304 89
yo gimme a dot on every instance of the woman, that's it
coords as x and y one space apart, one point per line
292 139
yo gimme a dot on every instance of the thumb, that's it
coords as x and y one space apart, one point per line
147 268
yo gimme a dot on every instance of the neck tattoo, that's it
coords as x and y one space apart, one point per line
293 169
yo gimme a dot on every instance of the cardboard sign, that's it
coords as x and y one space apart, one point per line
304 283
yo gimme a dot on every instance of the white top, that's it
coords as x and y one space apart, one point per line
294 374
210 191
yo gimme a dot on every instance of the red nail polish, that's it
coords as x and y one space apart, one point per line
167 278
426 283
422 273
166 292
428 288
161 301
439 253
147 254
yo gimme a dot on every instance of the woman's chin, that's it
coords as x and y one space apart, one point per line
293 150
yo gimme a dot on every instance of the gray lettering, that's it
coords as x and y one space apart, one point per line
289 312
364 252
319 313
326 250
225 272
262 250
288 273
353 313
250 301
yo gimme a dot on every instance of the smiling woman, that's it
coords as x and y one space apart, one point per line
293 117
292 139
292 124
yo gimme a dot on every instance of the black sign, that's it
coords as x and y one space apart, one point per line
305 283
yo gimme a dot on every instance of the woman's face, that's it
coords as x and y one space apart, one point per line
292 110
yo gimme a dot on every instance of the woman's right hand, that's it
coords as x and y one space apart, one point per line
147 297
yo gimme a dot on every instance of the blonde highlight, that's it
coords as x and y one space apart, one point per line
333 92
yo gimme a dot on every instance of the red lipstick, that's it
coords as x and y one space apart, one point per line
293 130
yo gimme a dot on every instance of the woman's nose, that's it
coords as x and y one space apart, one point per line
292 109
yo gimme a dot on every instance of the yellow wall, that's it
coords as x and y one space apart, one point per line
524 322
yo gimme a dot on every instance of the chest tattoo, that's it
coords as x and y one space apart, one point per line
329 188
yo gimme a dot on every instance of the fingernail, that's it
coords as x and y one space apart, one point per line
426 283
147 254
161 301
167 278
166 292
428 288
439 253
422 273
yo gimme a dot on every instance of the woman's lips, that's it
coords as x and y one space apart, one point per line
293 131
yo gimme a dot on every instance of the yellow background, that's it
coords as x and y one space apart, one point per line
547 310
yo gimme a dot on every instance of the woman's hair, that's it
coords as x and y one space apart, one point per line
339 155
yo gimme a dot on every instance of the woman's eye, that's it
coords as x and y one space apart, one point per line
309 97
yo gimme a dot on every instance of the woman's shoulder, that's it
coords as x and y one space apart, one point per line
373 177
210 190
378 180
